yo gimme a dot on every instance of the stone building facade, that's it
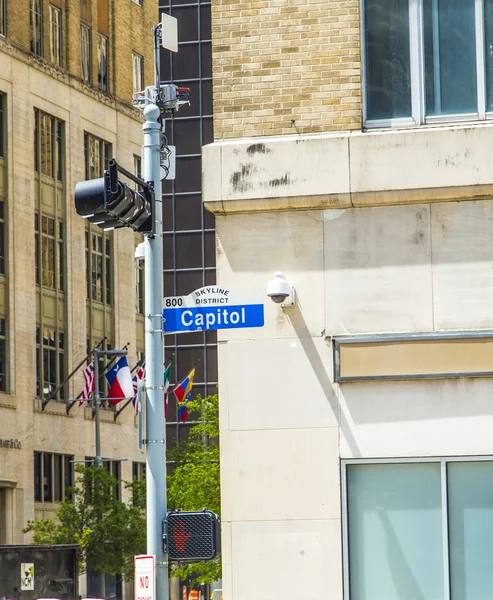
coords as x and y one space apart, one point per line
68 69
355 426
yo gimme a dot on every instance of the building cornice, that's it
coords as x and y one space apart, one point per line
17 52
351 169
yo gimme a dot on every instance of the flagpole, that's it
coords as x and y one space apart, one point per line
53 394
106 369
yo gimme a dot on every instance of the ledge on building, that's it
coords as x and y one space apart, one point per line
349 169
52 408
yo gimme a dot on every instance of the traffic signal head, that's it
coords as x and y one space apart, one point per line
110 203
193 536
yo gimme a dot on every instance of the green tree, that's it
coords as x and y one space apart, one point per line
193 479
108 531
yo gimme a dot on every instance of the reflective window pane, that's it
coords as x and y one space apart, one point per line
387 59
488 52
450 57
470 501
395 531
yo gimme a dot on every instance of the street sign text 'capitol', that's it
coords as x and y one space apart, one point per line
212 307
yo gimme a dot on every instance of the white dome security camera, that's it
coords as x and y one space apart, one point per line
280 290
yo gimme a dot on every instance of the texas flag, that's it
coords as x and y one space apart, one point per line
119 379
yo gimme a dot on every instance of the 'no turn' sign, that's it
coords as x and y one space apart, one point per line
145 577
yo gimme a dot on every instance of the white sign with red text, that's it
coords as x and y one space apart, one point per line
145 577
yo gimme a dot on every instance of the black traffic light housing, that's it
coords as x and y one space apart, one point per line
192 536
110 203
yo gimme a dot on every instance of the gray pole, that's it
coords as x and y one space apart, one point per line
155 426
98 459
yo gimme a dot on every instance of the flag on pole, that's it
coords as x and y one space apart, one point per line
183 392
140 375
120 381
88 374
166 375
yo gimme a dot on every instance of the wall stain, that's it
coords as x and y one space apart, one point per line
239 179
280 181
258 149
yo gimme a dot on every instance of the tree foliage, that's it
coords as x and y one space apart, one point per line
108 531
193 479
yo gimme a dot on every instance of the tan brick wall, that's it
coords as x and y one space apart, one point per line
285 66
129 26
133 33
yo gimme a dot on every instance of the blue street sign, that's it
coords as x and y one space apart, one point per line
210 308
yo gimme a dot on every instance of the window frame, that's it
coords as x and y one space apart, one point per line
442 461
417 73
3 17
137 72
83 42
56 36
36 27
58 349
65 482
103 63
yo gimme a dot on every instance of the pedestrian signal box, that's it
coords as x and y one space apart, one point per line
192 536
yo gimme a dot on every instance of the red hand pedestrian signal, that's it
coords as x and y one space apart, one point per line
192 536
180 537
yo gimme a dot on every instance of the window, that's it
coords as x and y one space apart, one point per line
98 262
97 155
139 2
48 145
49 253
53 475
420 529
103 83
138 72
3 356
85 53
427 61
2 237
36 23
138 471
56 35
50 361
3 17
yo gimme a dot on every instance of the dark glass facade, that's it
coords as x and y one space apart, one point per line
189 236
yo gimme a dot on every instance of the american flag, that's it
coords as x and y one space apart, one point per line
88 374
139 376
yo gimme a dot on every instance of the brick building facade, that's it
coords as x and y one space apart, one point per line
68 69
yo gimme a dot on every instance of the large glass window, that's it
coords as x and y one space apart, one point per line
3 356
53 474
36 26
48 145
137 72
85 53
427 60
49 252
419 530
56 35
50 362
3 17
103 79
97 154
98 262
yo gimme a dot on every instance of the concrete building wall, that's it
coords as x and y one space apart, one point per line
285 67
374 243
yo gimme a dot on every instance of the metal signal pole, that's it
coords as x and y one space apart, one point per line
155 424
